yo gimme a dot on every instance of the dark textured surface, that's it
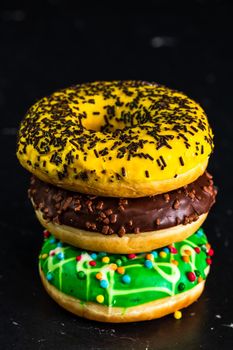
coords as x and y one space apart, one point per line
42 51
181 206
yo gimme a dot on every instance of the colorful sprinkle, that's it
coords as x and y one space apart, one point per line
113 267
191 276
203 248
121 270
123 258
49 276
185 258
92 263
60 256
197 250
177 315
166 250
101 254
119 262
173 250
59 244
131 256
209 261
162 254
100 298
105 259
52 252
46 234
175 262
148 264
181 286
155 254
126 279
52 240
93 256
104 284
211 252
78 257
188 252
200 232
81 275
99 276
199 279
149 257
44 256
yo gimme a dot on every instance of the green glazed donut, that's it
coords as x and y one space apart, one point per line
125 281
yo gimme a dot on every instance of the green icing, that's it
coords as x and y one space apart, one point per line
78 278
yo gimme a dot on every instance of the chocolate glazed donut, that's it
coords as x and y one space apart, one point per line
109 215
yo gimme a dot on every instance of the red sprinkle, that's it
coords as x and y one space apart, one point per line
191 276
209 261
211 252
46 234
78 257
173 250
197 250
131 256
92 263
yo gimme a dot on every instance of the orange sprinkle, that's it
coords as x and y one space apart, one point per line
175 262
149 256
121 270
113 267
199 279
188 252
208 246
185 258
99 276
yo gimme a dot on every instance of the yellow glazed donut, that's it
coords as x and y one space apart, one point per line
118 139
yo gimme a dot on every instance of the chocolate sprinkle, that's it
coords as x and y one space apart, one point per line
181 161
51 125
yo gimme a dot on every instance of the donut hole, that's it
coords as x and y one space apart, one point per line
106 127
101 123
113 119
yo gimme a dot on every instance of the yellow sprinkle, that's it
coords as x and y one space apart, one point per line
105 259
188 252
113 267
175 262
44 256
185 258
100 298
149 256
177 315
99 276
162 254
121 270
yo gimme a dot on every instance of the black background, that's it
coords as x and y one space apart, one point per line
186 46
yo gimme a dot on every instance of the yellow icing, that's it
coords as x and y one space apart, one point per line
155 125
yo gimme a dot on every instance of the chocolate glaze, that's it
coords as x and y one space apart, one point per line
120 215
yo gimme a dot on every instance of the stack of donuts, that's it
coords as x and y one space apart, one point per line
119 183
